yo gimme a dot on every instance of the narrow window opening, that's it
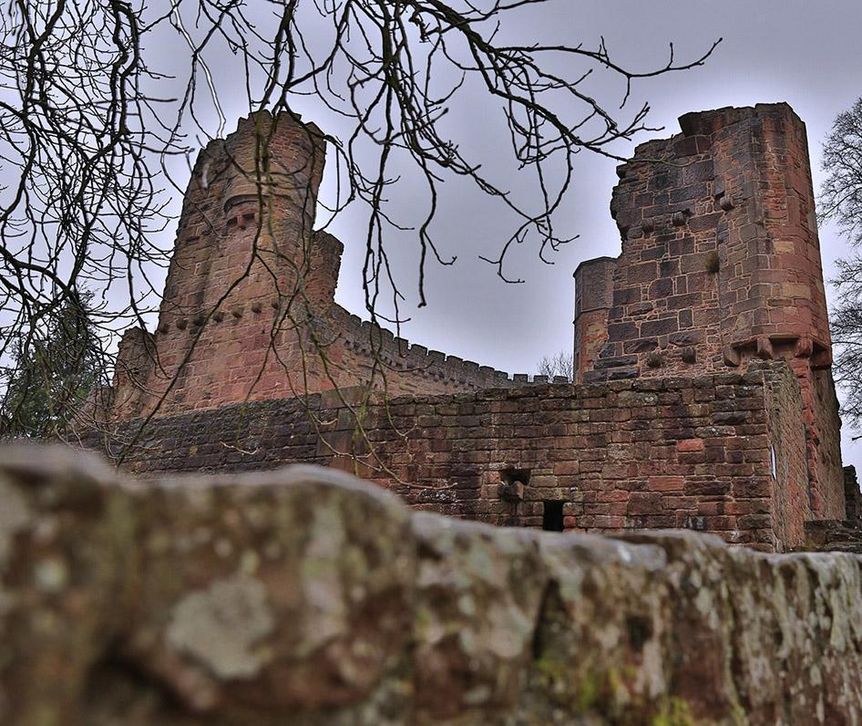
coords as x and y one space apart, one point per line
552 515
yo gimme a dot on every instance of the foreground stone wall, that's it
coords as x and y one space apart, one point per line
306 596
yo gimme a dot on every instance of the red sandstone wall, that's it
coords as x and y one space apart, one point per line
241 255
135 357
791 493
773 292
721 264
689 452
665 314
720 249
825 449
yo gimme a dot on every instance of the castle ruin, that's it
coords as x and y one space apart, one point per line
703 395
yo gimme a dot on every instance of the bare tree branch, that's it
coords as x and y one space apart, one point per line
93 118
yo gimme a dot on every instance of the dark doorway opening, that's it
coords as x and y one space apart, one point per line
552 515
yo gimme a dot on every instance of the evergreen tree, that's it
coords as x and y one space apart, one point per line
53 369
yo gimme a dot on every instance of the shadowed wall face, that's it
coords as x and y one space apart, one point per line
594 290
721 453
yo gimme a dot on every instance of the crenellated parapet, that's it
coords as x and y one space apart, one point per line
375 354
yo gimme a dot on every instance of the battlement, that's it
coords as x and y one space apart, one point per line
722 453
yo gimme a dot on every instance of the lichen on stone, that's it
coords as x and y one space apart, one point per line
221 627
373 614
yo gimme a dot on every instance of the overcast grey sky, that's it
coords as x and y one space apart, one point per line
773 50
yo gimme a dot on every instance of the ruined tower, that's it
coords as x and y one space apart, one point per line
246 274
720 264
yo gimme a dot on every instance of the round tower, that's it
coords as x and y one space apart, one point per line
244 252
594 285
265 179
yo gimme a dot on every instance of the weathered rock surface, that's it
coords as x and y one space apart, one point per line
305 596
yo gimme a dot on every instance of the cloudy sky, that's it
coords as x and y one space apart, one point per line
773 50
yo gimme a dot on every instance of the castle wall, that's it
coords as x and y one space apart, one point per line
720 250
135 356
307 596
823 440
690 452
788 459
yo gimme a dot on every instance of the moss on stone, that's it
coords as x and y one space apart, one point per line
588 691
673 712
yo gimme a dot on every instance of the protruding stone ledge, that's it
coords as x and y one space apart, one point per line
306 596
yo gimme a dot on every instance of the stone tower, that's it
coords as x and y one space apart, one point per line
720 264
593 301
246 274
